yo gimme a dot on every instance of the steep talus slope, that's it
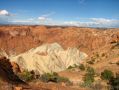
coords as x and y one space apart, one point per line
49 58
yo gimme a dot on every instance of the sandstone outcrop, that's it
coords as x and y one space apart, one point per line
55 58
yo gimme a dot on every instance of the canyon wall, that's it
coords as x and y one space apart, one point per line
18 39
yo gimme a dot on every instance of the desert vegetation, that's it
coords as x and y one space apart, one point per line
106 74
53 77
89 77
26 76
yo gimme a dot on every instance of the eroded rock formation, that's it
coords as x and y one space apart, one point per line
49 58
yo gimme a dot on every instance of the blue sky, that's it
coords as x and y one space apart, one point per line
91 13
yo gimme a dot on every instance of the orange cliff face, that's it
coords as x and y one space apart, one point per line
18 39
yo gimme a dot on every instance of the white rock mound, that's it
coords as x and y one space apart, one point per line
49 58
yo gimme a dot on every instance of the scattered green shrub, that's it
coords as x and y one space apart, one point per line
26 76
53 77
82 67
89 77
106 74
88 80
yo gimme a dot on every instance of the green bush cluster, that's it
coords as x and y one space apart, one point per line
113 81
106 74
89 77
88 80
53 77
26 76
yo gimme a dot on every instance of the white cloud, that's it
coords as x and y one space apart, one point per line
29 21
78 23
20 21
42 18
47 20
4 19
74 23
95 22
23 21
45 17
103 22
4 13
